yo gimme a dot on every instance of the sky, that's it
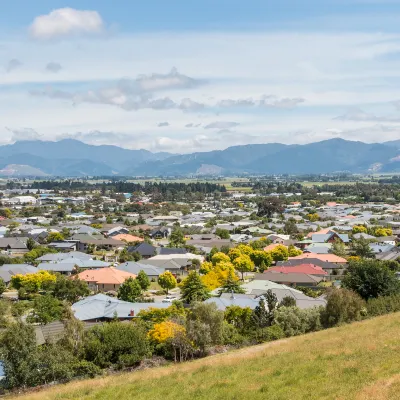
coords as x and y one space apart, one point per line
185 76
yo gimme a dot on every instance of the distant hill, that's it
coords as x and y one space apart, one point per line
73 158
356 361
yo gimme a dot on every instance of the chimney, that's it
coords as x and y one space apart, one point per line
132 313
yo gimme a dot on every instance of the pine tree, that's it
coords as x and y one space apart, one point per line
193 289
231 285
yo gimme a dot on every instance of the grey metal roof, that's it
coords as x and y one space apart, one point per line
8 270
102 306
136 267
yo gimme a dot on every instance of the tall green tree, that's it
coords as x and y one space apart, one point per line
361 248
231 285
371 279
338 248
167 281
70 289
130 290
193 289
177 238
143 280
45 309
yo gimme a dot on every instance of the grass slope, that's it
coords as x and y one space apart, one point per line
358 361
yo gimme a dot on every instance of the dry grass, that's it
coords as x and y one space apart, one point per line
358 361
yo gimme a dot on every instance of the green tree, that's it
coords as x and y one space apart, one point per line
130 290
243 264
31 244
338 248
143 280
167 281
361 248
231 285
18 355
268 206
261 258
70 289
116 343
54 237
193 289
222 233
45 309
3 286
343 306
177 238
370 279
288 301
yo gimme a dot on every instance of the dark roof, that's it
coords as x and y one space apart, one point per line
291 277
314 261
171 250
144 249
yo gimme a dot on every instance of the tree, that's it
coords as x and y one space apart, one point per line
361 248
261 257
123 345
193 289
370 279
219 257
359 229
279 253
243 264
260 316
231 285
54 237
288 301
18 355
46 309
31 244
343 306
268 206
338 248
177 238
143 280
130 290
167 281
313 217
70 289
293 251
6 213
222 233
3 286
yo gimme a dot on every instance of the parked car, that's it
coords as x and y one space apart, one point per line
169 299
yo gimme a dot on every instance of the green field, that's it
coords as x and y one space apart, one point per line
358 361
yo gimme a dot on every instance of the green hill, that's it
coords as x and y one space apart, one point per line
358 361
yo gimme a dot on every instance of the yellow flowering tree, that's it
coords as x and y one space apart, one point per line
32 283
164 331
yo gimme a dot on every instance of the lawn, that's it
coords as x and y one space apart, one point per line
358 361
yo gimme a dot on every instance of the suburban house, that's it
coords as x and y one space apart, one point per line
126 237
8 270
290 278
105 308
107 279
160 233
14 245
332 258
301 269
132 267
330 237
329 267
145 249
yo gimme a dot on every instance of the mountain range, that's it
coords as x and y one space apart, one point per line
72 158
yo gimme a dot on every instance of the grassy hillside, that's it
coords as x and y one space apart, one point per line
358 361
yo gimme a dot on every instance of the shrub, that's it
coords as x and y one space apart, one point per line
295 321
383 305
343 306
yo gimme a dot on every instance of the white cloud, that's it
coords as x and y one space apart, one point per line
356 114
53 67
23 134
66 22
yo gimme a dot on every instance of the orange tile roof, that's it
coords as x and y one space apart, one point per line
323 257
110 276
125 237
272 246
321 232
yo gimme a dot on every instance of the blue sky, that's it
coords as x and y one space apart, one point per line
193 76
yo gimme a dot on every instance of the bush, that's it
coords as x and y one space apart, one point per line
271 333
295 321
343 306
383 305
116 343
